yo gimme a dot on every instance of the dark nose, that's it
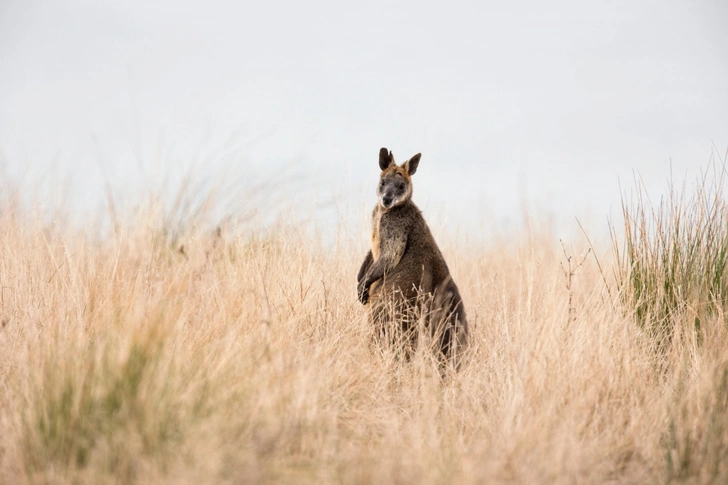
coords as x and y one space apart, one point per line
387 200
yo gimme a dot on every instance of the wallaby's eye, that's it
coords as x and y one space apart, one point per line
381 184
401 186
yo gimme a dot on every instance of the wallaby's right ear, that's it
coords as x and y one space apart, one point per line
385 158
411 164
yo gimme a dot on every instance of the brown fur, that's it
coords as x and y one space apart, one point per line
404 278
394 169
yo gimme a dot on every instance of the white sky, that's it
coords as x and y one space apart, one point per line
548 102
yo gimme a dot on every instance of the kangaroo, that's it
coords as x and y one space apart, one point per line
404 277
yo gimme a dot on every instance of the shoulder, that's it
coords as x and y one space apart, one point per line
411 211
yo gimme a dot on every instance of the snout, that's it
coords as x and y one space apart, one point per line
388 197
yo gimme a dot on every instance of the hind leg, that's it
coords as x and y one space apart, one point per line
455 338
448 323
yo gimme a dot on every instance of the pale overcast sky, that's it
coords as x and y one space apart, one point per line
549 102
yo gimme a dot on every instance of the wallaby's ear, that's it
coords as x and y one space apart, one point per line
411 164
385 158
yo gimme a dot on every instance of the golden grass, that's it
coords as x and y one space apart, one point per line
248 360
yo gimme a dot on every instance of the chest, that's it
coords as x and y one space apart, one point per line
387 227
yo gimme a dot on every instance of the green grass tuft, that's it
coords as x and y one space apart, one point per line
671 260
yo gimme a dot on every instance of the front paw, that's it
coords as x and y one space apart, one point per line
363 293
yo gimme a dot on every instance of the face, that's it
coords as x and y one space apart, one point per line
394 189
395 184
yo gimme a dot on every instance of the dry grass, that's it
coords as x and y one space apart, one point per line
247 360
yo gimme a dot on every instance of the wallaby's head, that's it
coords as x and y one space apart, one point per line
395 182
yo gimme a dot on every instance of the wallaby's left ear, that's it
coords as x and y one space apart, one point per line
385 158
411 164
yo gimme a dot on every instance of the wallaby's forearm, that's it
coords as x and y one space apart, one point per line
368 260
385 263
376 271
373 273
389 256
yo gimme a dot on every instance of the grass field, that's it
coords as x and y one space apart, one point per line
231 358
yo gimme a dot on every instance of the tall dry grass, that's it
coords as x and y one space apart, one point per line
246 359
